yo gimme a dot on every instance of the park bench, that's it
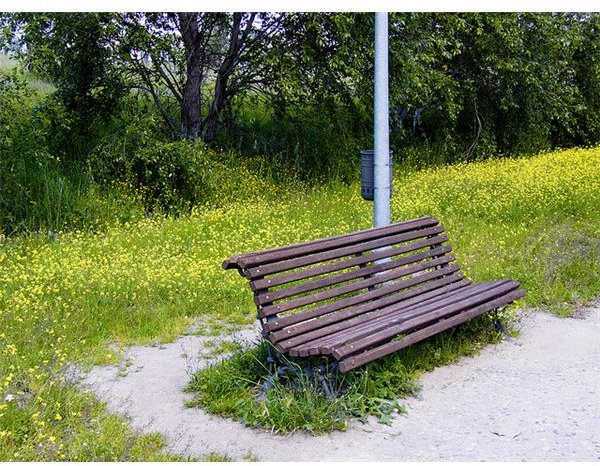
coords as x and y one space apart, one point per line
361 296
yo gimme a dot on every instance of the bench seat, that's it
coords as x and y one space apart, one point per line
364 295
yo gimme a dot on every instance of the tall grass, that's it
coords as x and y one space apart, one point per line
39 196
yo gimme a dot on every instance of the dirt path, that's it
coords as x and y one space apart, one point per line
534 398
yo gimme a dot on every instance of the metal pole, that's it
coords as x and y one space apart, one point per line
382 141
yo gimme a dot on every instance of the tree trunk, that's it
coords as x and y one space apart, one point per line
218 103
190 106
227 67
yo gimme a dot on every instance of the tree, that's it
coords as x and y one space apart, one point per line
174 58
467 83
74 52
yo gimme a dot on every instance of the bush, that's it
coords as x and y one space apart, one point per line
41 191
318 142
172 174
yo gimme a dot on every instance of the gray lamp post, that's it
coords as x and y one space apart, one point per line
382 181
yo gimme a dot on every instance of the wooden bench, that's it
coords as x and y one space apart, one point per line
360 296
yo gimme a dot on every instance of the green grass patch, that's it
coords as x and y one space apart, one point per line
70 297
219 347
297 401
58 422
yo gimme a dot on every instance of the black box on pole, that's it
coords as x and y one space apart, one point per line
367 173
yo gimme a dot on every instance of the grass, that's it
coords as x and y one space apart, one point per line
219 347
69 298
233 388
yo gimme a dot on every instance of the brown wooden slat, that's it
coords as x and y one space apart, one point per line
334 253
347 276
282 279
356 317
351 287
411 319
398 286
287 252
415 311
240 261
314 328
412 295
392 330
415 317
395 316
393 346
327 343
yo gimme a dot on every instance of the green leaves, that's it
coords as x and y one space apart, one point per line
467 85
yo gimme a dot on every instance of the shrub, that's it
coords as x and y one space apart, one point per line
40 190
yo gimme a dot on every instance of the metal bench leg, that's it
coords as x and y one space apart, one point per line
325 374
278 366
500 325
327 379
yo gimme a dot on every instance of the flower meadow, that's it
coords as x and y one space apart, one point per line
79 297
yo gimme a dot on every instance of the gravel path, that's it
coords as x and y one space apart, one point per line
533 398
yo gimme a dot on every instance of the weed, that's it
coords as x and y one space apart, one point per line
215 457
250 457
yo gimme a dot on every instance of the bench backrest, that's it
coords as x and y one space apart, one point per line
344 276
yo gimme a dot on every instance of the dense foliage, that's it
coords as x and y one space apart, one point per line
295 89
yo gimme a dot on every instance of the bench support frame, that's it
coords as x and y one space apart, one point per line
279 365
